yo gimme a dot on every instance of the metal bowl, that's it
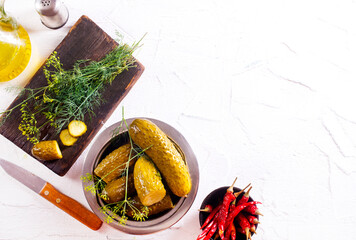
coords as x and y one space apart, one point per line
102 146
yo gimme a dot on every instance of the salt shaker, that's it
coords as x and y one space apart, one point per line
53 13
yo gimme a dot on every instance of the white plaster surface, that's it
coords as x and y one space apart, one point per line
262 90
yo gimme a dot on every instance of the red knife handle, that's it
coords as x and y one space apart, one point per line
71 206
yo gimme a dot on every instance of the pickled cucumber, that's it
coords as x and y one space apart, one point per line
112 166
115 190
66 138
77 128
47 150
163 153
163 205
148 182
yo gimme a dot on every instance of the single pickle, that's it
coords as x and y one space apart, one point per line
164 155
115 190
112 166
148 182
163 205
47 150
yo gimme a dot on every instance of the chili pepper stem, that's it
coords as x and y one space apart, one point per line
252 218
258 213
208 208
231 188
253 229
247 230
238 193
247 194
204 210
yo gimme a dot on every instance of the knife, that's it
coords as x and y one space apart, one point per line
46 190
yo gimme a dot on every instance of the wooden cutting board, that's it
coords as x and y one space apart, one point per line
85 40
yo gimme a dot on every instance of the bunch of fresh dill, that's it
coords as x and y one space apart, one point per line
69 94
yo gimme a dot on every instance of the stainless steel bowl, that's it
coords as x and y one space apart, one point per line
161 222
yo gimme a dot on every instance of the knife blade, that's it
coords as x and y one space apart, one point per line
47 191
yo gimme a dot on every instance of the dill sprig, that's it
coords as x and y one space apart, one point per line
121 208
69 94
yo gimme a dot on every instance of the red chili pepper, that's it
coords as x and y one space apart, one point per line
212 231
228 232
253 210
237 210
211 216
240 230
228 198
252 219
229 228
223 214
233 232
232 206
208 208
245 197
203 234
244 223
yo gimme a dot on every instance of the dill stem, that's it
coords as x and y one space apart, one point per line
23 102
119 166
86 99
127 166
44 124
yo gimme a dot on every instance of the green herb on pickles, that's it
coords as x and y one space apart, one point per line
69 94
128 206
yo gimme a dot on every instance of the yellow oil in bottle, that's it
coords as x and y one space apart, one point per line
15 50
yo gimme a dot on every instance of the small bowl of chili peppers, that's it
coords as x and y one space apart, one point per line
229 213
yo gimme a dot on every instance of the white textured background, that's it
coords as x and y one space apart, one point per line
262 90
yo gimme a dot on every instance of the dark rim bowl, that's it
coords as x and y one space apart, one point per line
162 221
216 197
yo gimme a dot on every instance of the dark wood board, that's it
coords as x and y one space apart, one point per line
85 40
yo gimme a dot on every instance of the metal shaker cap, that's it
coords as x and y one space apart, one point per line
53 13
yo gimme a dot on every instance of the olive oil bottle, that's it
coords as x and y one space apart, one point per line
15 46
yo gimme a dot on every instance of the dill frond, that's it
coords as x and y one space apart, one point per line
118 210
70 94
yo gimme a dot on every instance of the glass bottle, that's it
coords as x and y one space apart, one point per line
15 46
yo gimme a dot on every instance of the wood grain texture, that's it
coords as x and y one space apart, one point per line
71 206
85 40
